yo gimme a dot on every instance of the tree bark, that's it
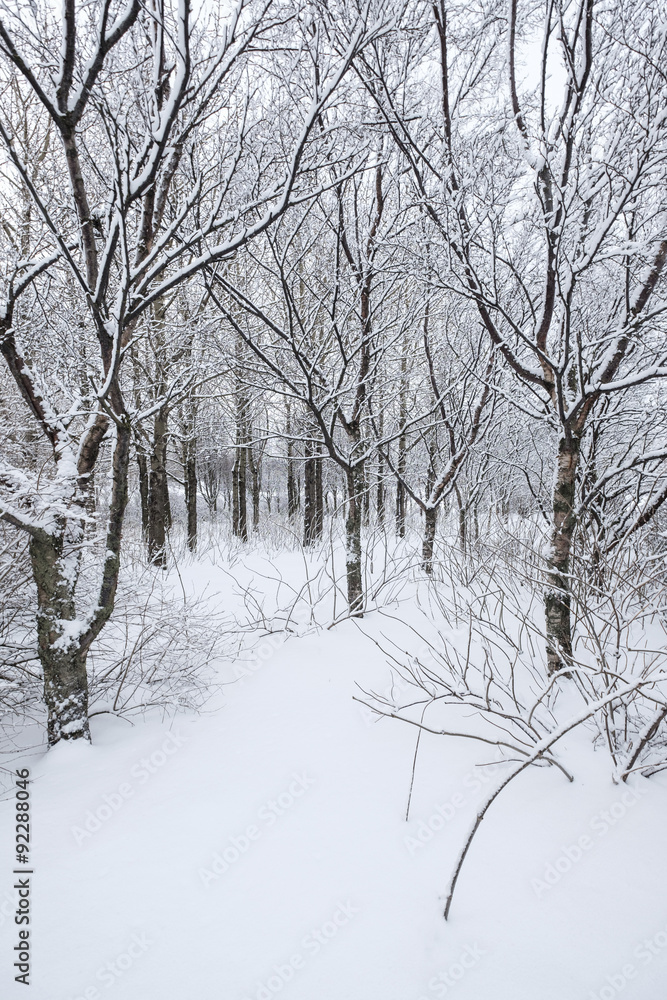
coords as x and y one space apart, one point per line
379 495
63 640
355 487
310 534
319 496
401 461
463 528
159 508
292 480
142 465
190 480
430 522
63 663
256 485
239 488
558 596
240 467
366 498
400 489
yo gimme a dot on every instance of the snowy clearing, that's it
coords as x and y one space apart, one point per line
260 849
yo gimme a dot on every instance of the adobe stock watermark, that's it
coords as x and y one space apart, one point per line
644 953
112 801
441 984
267 816
572 854
8 905
108 974
424 830
311 944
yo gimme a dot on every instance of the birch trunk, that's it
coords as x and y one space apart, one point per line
239 492
558 596
430 522
401 462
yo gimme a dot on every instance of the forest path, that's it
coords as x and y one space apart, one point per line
260 850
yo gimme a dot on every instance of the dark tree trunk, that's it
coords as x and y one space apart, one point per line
240 467
142 465
293 486
292 480
379 486
463 531
400 488
400 510
310 534
256 483
558 596
159 507
355 489
190 480
239 488
379 495
319 496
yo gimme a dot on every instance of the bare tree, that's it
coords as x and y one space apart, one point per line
147 209
318 340
552 226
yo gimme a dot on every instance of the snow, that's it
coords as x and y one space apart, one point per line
260 849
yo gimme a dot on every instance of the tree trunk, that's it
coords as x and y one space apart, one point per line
63 663
239 490
430 521
142 465
558 596
401 461
593 526
190 480
463 532
355 487
62 640
256 486
292 481
309 494
319 496
379 496
366 498
400 510
240 467
430 513
159 508
400 488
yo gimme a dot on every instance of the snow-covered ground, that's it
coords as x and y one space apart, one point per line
260 849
